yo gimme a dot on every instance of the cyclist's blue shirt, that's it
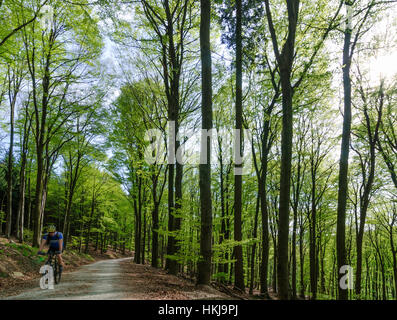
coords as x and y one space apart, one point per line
54 243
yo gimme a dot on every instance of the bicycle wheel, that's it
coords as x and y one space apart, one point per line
57 273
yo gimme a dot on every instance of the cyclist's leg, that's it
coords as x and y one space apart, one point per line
60 260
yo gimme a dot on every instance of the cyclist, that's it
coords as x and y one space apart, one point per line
54 239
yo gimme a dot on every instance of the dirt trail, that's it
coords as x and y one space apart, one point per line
119 279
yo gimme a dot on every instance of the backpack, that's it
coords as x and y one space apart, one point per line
48 237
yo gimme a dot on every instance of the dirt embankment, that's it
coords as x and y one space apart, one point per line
143 282
20 264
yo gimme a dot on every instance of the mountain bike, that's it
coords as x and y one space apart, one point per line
53 262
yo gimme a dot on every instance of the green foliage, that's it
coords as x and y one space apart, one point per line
220 276
87 133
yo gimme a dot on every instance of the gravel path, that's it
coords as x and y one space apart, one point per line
97 281
119 279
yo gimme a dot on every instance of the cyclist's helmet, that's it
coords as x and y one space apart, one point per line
51 228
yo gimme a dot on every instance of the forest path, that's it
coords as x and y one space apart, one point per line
119 279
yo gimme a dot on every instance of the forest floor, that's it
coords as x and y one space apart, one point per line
20 264
98 276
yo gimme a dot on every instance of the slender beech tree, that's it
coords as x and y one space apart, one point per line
171 27
238 249
285 60
368 135
24 137
15 77
348 51
204 265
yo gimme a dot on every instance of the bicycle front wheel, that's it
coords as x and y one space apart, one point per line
57 274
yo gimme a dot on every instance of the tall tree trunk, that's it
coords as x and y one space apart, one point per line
29 218
173 268
138 223
253 249
394 254
285 60
144 238
274 274
155 235
372 138
344 163
293 253
22 176
295 204
221 267
155 216
265 232
302 261
21 202
227 218
264 209
313 237
87 239
38 198
173 115
238 249
9 168
171 31
204 265
170 243
71 186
